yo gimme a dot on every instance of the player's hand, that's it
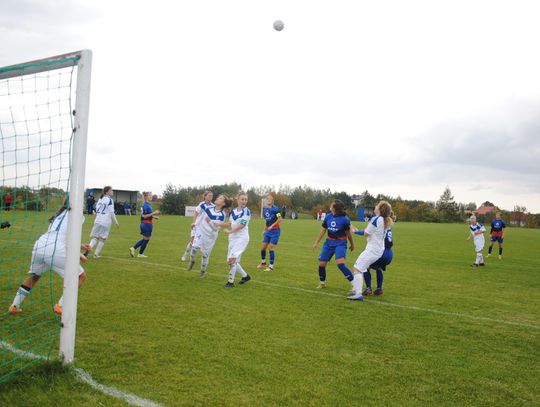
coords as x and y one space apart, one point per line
157 212
353 228
192 225
83 258
351 248
314 246
227 231
118 226
155 217
86 247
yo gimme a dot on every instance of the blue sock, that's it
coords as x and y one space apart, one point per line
379 278
138 244
272 257
143 246
367 279
490 249
322 274
263 256
346 272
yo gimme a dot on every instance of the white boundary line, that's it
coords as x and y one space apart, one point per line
320 292
86 377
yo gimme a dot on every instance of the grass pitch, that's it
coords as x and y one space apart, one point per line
442 334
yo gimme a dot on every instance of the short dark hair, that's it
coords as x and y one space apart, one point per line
339 207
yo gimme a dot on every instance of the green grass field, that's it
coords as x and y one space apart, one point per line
443 333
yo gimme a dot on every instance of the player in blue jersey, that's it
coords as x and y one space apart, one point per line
338 226
380 265
271 233
497 234
147 224
197 216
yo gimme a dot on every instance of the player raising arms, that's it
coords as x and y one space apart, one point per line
477 233
104 218
207 231
238 239
374 233
197 216
380 265
49 252
497 234
147 225
271 233
338 226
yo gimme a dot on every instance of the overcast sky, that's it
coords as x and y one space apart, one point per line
396 97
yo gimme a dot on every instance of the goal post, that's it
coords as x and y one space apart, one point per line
44 108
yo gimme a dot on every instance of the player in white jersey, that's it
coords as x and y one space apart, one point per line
213 218
374 233
104 218
238 239
49 252
197 216
477 233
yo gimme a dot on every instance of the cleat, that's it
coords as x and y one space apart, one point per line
183 258
367 291
474 265
378 291
482 264
190 265
356 297
321 285
13 310
202 274
4 225
132 252
142 256
245 279
57 309
261 265
229 285
269 268
351 292
500 257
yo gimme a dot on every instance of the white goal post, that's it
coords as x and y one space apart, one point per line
83 61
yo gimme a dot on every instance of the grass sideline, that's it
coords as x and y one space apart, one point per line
149 327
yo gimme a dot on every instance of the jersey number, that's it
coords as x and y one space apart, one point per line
100 208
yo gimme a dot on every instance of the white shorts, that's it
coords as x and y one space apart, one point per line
479 245
100 231
236 248
45 259
366 259
204 242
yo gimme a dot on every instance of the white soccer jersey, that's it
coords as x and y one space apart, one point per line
210 221
479 240
201 207
54 239
240 217
105 212
375 238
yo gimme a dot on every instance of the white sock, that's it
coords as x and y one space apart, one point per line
194 251
22 293
478 258
99 247
357 282
481 258
93 242
204 261
241 270
61 301
232 272
188 249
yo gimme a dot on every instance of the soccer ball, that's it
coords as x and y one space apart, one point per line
278 25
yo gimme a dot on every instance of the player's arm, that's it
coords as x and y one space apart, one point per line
277 222
238 228
113 215
319 237
357 231
350 239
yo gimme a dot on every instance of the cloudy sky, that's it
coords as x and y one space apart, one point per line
401 98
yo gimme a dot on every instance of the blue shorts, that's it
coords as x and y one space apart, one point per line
384 261
498 239
271 236
146 229
333 247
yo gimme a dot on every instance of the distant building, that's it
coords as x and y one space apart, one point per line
483 210
120 196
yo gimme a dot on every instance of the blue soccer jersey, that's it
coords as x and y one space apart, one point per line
497 227
337 226
146 210
388 238
271 215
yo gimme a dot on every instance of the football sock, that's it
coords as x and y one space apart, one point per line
322 274
99 247
240 270
490 249
61 301
367 279
481 258
188 249
379 278
232 272
478 258
500 251
194 251
204 261
357 282
138 244
22 293
263 256
346 272
272 257
143 246
93 242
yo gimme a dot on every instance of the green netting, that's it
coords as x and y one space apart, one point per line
36 127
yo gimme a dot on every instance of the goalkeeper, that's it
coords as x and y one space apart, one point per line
49 253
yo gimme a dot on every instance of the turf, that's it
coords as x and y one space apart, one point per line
442 334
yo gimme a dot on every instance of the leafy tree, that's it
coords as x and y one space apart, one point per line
447 208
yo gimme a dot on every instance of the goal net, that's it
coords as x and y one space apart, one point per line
43 122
